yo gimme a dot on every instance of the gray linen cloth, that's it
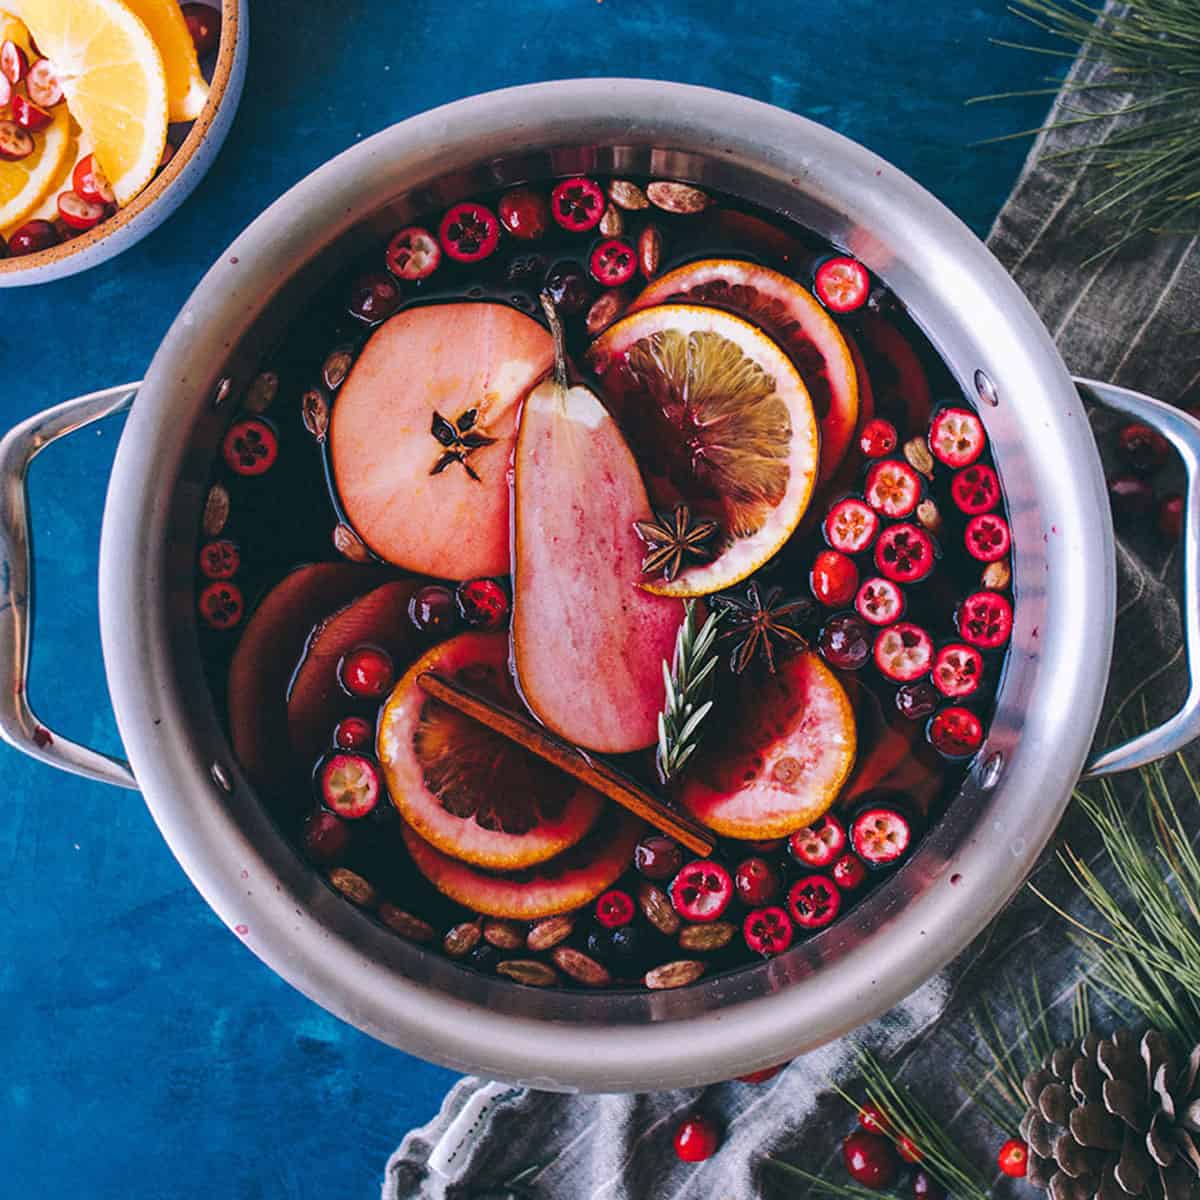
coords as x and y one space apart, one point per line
1131 319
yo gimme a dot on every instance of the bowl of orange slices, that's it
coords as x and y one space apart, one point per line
110 113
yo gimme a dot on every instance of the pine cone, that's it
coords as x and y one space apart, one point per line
1114 1118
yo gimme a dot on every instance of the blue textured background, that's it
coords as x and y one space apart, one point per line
145 1051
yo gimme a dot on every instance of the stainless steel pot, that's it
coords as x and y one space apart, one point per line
966 868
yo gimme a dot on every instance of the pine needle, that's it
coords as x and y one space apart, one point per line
687 679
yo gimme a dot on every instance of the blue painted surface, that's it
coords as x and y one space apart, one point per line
146 1052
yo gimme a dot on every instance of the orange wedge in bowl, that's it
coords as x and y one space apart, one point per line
25 183
186 90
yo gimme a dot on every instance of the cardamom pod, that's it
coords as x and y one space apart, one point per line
548 932
606 308
504 935
627 195
713 935
349 545
261 393
336 368
674 974
657 909
528 971
612 223
917 455
580 967
216 510
405 924
462 939
997 575
679 198
650 250
314 409
353 887
929 516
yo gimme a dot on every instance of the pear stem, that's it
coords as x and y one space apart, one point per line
560 341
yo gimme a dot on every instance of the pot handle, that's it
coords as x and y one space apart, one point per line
1183 432
18 724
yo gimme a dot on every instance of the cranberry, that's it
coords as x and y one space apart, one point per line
219 559
79 214
909 1150
696 1139
903 652
1143 449
904 553
849 873
353 733
701 891
577 204
204 24
221 604
433 609
768 931
373 298
881 835
834 578
987 537
851 526
1170 517
756 882
569 288
763 1075
871 1159
33 236
925 1187
43 84
1130 495
916 701
955 732
842 284
845 642
956 437
879 601
14 62
976 489
658 857
613 262
893 488
985 619
814 902
957 670
349 785
524 213
91 182
469 232
413 254
483 603
878 438
367 672
820 843
15 143
872 1118
1014 1158
325 837
250 447
614 909
29 115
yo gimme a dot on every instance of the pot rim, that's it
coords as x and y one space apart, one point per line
965 872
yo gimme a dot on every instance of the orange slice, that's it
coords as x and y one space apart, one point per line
113 78
186 90
717 415
24 184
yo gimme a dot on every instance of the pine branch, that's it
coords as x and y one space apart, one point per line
688 681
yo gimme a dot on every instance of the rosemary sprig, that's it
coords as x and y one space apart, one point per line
688 679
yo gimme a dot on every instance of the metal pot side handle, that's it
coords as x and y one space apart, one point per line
18 724
1183 432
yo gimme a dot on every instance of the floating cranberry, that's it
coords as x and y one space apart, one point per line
763 1075
956 437
871 1159
820 843
985 619
849 873
353 733
905 553
367 672
845 642
349 785
568 287
413 254
701 891
919 700
873 1119
851 526
1170 517
29 115
221 604
696 1139
834 578
957 670
879 601
524 213
955 732
33 236
975 489
881 835
614 909
219 559
768 931
987 537
325 837
469 232
842 284
1130 495
1013 1158
250 447
15 143
903 652
658 857
79 214
1143 449
373 298
43 84
814 902
483 603
878 438
577 204
893 488
925 1187
433 609
613 262
756 882
14 62
91 182
204 24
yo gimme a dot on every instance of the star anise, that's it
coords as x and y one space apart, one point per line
759 622
459 439
672 538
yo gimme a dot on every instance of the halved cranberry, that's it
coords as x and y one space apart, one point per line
219 559
1170 517
221 604
768 931
613 262
755 881
29 115
483 603
250 447
367 672
957 670
903 652
614 909
976 489
42 84
91 182
373 298
956 437
79 214
955 732
985 619
524 213
657 856
842 284
851 526
919 700
987 537
349 785
845 642
433 609
1130 495
893 488
15 143
834 578
820 843
879 601
413 253
325 837
814 902
204 24
849 873
701 891
905 553
14 62
881 835
353 733
33 236
577 204
1143 448
469 232
878 438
